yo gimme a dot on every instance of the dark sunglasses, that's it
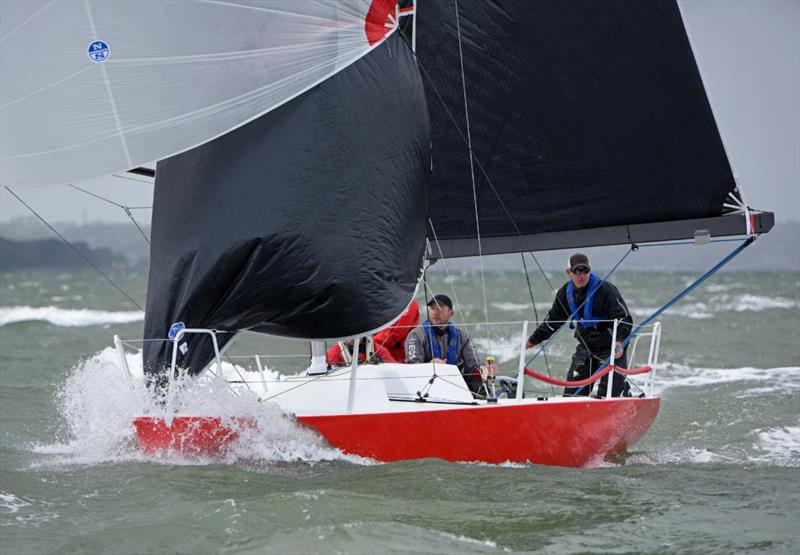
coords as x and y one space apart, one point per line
581 270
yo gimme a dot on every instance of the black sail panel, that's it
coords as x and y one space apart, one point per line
308 222
582 115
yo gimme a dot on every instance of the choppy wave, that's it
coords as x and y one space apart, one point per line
758 303
66 317
779 445
772 447
723 303
785 380
98 402
520 307
10 503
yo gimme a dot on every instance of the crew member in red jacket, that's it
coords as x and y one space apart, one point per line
393 338
341 354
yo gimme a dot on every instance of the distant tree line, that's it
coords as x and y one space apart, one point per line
52 253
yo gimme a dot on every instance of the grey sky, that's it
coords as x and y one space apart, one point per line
749 56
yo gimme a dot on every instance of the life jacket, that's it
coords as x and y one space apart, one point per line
589 320
452 342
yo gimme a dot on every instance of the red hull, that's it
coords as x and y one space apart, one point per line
557 433
191 435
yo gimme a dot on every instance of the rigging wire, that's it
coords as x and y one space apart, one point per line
471 166
70 245
535 314
483 171
126 209
450 280
480 167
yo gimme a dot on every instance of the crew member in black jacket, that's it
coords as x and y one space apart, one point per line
593 322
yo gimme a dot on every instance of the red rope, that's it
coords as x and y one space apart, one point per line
634 371
587 381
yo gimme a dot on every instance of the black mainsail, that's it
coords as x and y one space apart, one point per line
588 121
307 222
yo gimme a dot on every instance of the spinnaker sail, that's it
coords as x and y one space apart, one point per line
88 88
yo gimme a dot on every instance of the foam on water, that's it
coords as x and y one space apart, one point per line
98 403
10 503
772 447
784 380
65 316
690 455
758 303
511 307
723 303
780 446
520 307
695 311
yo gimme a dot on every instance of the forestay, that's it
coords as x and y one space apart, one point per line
90 87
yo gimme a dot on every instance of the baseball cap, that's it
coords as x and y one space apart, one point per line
443 300
578 259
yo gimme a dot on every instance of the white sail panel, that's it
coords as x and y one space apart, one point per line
166 75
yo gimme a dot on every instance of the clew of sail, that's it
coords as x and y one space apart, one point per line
91 87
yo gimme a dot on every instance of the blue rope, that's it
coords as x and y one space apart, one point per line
555 333
696 283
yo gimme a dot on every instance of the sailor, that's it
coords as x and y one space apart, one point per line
439 341
341 354
393 338
593 304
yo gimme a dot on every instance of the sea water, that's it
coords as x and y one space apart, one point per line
718 472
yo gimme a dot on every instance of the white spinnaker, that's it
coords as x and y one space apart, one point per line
178 74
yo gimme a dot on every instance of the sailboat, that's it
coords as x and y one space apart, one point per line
314 157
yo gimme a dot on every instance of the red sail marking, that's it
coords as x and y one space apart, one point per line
377 18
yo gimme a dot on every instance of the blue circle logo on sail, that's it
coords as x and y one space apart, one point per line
98 51
175 329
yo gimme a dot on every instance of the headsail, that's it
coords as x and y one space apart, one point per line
307 222
107 86
588 122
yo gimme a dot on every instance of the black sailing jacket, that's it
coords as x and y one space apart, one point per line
608 305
